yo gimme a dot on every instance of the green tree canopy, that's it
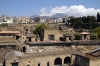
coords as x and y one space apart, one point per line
39 27
98 17
97 31
93 36
76 22
77 36
85 22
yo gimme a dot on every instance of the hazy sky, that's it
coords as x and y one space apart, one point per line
49 7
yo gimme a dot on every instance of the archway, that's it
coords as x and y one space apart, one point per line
67 60
58 61
24 49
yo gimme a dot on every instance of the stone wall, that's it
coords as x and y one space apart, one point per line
84 49
43 49
8 40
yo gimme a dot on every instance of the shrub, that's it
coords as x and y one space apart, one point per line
93 36
77 36
3 25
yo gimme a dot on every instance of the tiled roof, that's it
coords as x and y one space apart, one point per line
9 32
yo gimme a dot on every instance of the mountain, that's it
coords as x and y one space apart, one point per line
46 17
34 16
57 15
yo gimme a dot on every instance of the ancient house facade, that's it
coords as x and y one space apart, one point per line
16 58
54 34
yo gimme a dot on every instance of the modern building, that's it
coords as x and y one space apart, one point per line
42 20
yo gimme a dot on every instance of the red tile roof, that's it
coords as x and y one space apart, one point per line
14 32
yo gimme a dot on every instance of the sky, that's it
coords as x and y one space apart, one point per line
49 7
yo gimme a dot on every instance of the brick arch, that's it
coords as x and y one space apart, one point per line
58 61
67 60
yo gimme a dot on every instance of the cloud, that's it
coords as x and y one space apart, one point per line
75 10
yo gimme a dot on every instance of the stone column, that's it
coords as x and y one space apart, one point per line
72 59
62 61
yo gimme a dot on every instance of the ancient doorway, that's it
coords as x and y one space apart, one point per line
14 64
61 38
26 30
24 49
85 36
29 39
17 37
48 64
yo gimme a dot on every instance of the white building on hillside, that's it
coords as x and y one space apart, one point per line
9 21
42 20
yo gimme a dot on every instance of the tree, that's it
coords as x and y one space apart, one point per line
98 17
76 22
97 31
77 36
38 28
85 22
93 36
84 19
37 19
